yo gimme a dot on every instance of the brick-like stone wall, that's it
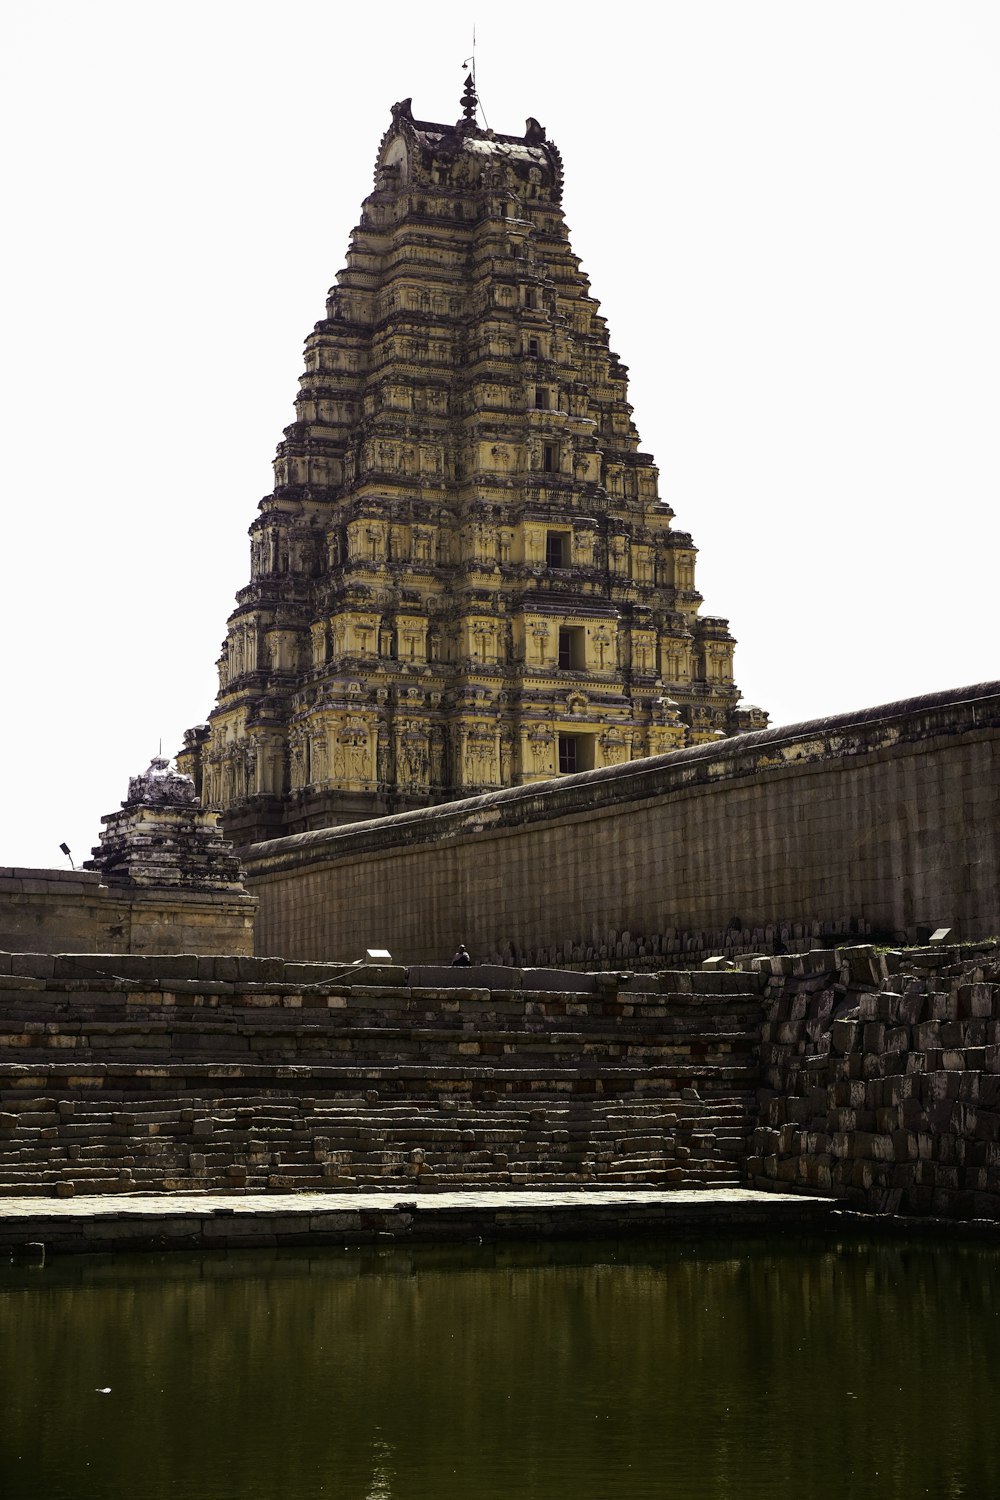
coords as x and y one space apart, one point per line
46 911
128 1073
880 822
881 1079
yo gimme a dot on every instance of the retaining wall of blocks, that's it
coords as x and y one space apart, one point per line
880 1076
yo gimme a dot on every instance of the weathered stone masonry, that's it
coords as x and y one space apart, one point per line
80 912
122 1073
880 1076
883 821
870 1075
162 880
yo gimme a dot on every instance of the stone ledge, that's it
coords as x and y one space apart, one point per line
75 1225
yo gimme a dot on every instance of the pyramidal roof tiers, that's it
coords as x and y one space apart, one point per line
464 577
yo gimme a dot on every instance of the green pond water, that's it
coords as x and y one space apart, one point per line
715 1369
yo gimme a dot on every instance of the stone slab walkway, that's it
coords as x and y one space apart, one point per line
159 1221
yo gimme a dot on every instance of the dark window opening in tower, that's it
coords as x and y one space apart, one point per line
572 648
556 549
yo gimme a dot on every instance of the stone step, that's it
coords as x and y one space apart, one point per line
136 1047
83 1124
93 1111
207 1127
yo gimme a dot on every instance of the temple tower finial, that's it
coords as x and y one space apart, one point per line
470 101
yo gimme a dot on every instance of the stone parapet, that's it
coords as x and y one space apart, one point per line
43 912
814 742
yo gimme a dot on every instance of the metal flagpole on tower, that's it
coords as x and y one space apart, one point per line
470 63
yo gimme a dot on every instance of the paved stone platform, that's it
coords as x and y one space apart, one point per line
160 1221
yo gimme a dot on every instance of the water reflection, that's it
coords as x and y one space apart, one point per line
727 1370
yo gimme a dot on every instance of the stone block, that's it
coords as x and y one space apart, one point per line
34 965
887 1005
563 981
873 1037
977 1000
868 1006
844 1036
943 1007
927 1036
841 1142
883 1146
821 1006
862 963
911 1009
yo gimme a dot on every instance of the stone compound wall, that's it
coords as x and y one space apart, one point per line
46 911
881 1079
882 822
120 1074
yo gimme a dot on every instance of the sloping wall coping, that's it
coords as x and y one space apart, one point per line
957 711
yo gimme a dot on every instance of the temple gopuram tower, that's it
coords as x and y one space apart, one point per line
464 578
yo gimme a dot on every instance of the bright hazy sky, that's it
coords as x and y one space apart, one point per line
788 209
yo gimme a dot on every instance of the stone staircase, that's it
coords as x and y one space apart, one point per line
114 1083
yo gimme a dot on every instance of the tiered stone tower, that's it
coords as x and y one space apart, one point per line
464 578
162 837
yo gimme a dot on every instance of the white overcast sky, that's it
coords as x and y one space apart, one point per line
788 209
